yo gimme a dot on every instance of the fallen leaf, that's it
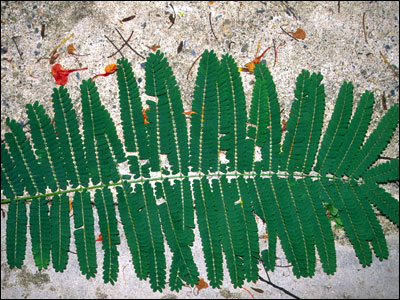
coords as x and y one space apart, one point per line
127 19
257 290
180 47
70 206
171 18
53 58
284 125
70 49
99 238
299 34
43 30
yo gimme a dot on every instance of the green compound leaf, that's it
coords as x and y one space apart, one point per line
216 167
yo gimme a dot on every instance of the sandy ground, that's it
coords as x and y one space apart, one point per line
335 45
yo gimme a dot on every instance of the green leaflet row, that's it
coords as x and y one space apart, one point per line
230 168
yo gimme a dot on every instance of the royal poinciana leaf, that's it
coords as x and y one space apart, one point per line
299 172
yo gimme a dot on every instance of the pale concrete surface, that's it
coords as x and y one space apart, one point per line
335 45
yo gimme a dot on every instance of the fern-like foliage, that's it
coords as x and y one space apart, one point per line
230 170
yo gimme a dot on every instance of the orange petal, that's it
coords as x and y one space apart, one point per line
250 66
201 284
154 47
189 112
99 239
111 68
145 116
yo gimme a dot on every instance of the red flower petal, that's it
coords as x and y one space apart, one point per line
61 75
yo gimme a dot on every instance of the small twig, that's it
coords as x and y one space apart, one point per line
389 65
55 49
288 8
363 25
276 54
42 58
29 73
386 157
119 50
128 44
212 30
274 285
248 292
123 273
229 45
338 7
174 16
187 76
15 42
383 100
42 32
278 287
288 34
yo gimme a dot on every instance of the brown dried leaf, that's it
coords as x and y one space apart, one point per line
257 290
70 49
128 18
42 31
180 47
53 58
299 34
284 125
171 18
